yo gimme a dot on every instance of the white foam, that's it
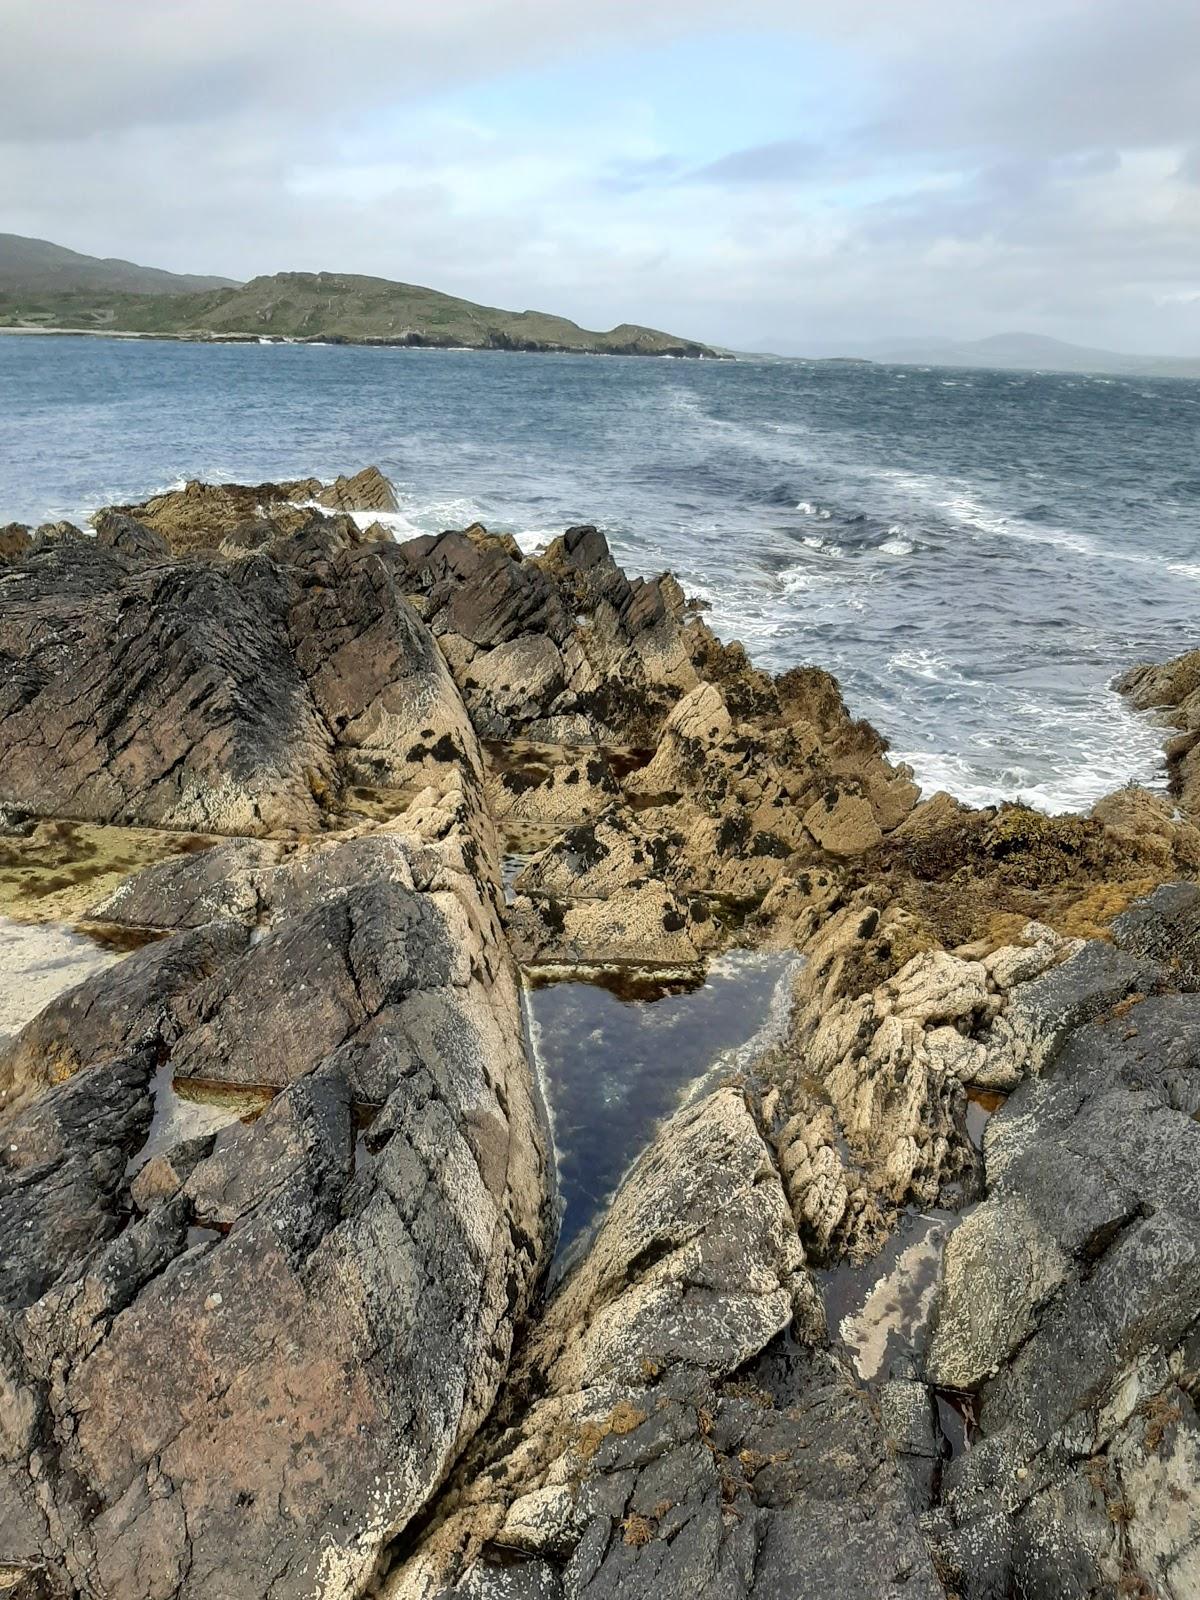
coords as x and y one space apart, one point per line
926 664
959 502
1104 745
896 544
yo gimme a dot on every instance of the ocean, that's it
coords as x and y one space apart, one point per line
973 553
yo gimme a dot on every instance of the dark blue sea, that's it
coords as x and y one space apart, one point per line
973 553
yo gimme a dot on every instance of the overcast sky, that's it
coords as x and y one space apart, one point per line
759 174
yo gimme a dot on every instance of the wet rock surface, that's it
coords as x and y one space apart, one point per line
905 1303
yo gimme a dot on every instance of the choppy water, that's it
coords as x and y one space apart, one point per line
975 554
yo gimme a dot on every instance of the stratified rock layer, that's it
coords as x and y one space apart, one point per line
230 697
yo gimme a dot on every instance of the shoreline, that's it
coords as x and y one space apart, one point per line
342 341
312 1107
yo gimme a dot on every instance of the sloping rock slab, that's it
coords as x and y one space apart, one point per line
228 698
1071 1302
248 1386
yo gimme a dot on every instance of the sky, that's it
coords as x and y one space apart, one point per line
764 175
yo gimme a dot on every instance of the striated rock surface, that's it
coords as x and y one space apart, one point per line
232 698
200 516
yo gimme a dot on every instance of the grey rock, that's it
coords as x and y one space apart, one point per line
253 1386
1165 927
1071 1298
664 1434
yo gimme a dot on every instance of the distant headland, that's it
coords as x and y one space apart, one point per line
45 288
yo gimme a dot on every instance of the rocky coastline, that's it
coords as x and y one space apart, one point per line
292 817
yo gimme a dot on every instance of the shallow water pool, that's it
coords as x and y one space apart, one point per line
615 1060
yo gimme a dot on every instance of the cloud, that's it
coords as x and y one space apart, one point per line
821 172
781 161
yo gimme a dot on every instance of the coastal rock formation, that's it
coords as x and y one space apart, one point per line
675 1425
1071 1302
1172 688
876 1082
276 1187
201 515
564 648
15 540
235 697
239 1365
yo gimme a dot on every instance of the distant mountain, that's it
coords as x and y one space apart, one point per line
1010 352
37 266
313 307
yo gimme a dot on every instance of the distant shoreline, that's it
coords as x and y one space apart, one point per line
341 340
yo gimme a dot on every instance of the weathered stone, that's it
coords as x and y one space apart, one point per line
15 541
336 1332
1165 928
201 515
134 1005
164 695
233 698
644 1447
843 824
1069 1298
644 927
367 490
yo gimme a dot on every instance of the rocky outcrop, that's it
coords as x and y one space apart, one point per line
15 540
675 1424
1172 690
275 1189
367 490
1070 1302
233 698
200 516
238 1363
563 649
874 1084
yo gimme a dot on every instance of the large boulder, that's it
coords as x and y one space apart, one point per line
272 1209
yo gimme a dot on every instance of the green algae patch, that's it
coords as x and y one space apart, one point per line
62 868
362 802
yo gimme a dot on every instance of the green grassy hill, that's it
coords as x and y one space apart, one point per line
316 306
41 267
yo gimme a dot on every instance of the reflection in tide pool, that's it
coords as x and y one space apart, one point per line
38 961
615 1062
879 1312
